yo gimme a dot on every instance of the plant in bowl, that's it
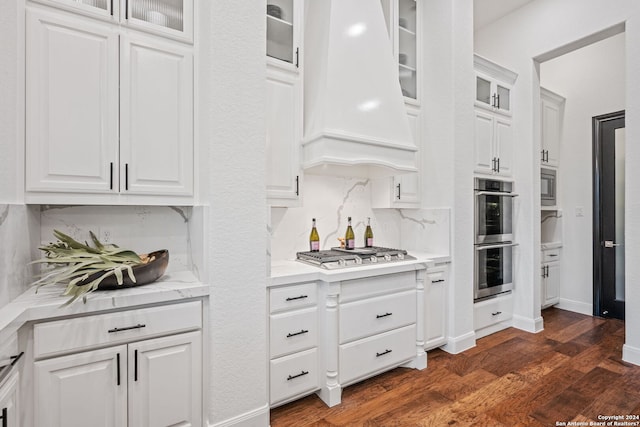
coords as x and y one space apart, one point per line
106 266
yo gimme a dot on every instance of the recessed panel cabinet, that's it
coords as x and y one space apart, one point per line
493 148
106 113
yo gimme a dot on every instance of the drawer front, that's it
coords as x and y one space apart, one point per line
492 311
293 375
292 297
551 255
85 332
437 274
361 319
376 285
361 358
292 332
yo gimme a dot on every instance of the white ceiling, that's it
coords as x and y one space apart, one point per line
487 11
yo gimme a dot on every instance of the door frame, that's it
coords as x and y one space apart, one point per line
597 123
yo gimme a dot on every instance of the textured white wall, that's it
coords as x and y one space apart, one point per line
231 132
592 80
535 29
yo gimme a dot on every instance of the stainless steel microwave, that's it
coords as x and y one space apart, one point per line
548 185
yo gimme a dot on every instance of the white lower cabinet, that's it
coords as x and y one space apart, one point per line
9 408
435 307
550 283
139 381
492 315
293 342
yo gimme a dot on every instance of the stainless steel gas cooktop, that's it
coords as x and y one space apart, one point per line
343 258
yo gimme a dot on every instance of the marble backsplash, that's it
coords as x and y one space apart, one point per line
20 237
140 228
331 200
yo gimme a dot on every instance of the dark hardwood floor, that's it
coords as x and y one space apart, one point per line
571 371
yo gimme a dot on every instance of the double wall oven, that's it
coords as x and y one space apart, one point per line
494 244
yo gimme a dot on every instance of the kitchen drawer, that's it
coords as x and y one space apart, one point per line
550 255
377 285
293 331
81 333
492 311
361 358
291 297
293 375
437 274
371 316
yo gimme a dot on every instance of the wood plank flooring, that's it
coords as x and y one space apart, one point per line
571 371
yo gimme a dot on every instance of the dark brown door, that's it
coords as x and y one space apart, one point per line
608 215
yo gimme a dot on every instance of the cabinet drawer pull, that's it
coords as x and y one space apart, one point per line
111 169
5 422
496 313
126 175
295 298
378 316
437 281
135 365
553 255
118 368
302 331
398 196
301 374
138 326
387 351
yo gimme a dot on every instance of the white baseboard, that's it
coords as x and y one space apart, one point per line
576 306
631 354
257 418
459 344
527 324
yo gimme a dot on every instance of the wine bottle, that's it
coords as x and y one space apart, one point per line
368 235
349 237
314 238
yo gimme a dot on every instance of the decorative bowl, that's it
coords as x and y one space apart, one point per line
144 273
274 10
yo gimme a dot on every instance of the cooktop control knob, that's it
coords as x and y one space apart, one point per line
358 260
400 256
342 262
387 257
374 259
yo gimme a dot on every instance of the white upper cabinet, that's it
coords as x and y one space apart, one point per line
493 148
284 18
284 102
494 85
170 18
551 117
72 104
156 90
109 113
404 29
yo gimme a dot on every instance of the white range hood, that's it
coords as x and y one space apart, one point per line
355 122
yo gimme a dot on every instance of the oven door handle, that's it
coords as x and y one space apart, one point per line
501 245
496 193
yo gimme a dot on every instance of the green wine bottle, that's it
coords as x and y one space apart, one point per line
314 238
368 235
349 237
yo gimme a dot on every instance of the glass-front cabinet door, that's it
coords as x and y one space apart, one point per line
281 35
407 51
170 17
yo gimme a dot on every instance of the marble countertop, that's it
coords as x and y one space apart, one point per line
48 302
286 272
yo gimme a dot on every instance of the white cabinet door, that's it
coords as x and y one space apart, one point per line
71 104
503 146
170 18
484 158
551 122
435 308
551 284
9 409
165 381
156 140
284 135
84 389
408 191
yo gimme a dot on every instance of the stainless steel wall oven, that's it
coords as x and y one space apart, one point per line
494 244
